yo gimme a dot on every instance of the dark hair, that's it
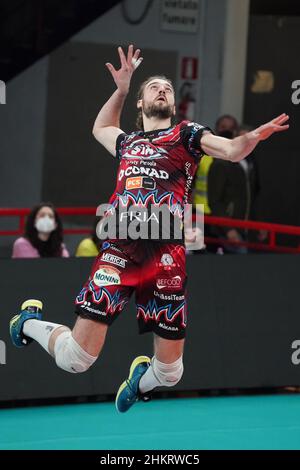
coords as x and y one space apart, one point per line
53 246
227 116
246 128
139 119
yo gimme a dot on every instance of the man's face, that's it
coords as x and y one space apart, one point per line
227 128
158 99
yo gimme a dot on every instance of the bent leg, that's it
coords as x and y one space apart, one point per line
98 305
77 351
166 367
74 351
167 350
89 334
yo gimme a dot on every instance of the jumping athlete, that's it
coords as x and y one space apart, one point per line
157 167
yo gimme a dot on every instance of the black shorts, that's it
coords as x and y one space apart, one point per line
155 271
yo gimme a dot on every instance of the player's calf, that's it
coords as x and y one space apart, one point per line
168 375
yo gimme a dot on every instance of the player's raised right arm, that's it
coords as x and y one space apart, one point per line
107 125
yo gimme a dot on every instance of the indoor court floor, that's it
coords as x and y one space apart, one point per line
223 423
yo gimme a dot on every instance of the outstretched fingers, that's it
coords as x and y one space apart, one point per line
281 119
132 59
122 57
136 60
110 68
282 128
129 54
136 54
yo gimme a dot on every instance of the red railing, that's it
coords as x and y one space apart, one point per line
63 211
272 229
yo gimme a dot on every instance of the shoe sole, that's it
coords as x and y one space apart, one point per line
13 321
138 360
11 326
15 318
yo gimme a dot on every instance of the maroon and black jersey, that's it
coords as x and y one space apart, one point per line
157 169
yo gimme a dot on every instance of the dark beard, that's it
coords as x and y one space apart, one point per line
157 111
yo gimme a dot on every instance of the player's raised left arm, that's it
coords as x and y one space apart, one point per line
239 148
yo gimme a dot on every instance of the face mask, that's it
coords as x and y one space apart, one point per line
45 224
227 134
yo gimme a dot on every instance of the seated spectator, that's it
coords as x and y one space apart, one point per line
89 246
43 237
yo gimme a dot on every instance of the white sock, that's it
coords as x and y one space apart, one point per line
40 331
148 381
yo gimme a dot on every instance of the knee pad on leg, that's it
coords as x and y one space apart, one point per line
69 356
168 374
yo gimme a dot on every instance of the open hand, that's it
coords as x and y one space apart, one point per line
276 125
129 64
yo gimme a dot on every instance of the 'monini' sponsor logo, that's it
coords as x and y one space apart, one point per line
106 276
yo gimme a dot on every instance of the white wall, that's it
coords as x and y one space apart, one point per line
219 87
211 60
235 58
112 28
220 45
22 122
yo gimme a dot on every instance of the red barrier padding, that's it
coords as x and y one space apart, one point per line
273 229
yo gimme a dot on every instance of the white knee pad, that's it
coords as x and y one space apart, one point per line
69 356
168 374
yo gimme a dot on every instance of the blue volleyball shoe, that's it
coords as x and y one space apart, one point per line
129 392
30 310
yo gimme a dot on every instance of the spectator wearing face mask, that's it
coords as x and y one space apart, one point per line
43 237
232 187
227 126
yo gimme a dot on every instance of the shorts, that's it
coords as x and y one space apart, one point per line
154 270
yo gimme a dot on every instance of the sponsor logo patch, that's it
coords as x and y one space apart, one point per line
173 297
134 183
173 283
109 258
87 307
135 171
140 182
144 150
105 246
106 276
166 260
167 327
